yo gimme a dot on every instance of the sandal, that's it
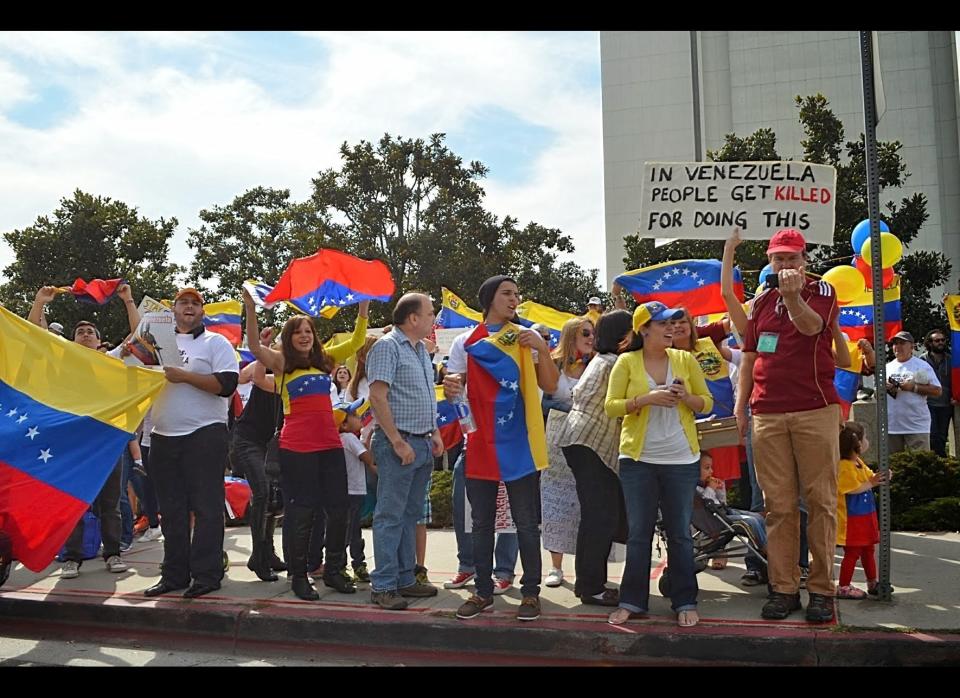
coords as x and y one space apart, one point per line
622 615
688 619
851 592
719 564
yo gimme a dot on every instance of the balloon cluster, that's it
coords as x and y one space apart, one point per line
854 280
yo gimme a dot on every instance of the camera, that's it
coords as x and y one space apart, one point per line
772 281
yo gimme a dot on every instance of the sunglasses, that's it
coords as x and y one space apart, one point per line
586 333
546 337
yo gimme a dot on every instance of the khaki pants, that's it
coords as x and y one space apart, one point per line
796 453
907 442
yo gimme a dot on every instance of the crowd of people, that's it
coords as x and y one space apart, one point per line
600 432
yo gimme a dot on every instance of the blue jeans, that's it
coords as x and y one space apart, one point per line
759 528
524 497
506 548
400 493
646 487
756 494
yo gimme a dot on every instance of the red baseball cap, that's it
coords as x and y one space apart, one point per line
787 240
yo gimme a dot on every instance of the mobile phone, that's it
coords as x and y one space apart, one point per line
772 281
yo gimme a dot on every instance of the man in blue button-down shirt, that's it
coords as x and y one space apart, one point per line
404 401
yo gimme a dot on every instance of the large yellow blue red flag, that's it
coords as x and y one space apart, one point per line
952 304
455 313
545 315
66 414
510 441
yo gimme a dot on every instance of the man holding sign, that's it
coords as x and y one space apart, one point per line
787 372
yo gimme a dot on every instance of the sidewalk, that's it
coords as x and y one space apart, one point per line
920 626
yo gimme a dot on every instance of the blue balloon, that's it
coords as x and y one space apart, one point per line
862 232
764 273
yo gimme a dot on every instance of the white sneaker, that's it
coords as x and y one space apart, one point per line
150 535
70 570
554 578
115 564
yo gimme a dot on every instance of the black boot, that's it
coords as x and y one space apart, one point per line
276 564
259 562
299 526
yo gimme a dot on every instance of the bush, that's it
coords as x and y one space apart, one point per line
941 514
921 478
441 499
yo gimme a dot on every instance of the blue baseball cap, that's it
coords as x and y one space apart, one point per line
653 311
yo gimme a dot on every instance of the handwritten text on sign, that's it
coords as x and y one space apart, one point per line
706 200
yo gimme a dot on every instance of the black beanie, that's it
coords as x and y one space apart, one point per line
488 289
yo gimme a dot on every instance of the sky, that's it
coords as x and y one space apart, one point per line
175 122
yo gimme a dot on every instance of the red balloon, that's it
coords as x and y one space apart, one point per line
867 272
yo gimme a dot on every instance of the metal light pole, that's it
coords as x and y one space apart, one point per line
870 119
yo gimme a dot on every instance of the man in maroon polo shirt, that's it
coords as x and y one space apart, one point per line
787 372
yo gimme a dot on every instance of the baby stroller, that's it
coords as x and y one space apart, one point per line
715 535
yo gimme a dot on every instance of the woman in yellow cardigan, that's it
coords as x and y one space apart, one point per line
656 390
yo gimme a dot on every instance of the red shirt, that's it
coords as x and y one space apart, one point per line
798 376
714 331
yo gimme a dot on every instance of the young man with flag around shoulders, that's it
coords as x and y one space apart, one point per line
107 504
496 363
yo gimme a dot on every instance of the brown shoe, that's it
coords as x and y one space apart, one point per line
387 600
473 606
418 591
529 608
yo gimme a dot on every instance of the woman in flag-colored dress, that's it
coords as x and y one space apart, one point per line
313 470
657 389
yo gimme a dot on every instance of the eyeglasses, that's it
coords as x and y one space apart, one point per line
938 341
586 333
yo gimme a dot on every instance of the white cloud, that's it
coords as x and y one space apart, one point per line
174 138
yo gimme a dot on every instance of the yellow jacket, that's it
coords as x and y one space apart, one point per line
628 379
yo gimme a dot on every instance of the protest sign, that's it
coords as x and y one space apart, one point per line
706 200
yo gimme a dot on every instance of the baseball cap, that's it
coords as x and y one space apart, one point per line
188 291
343 409
787 240
594 300
903 336
56 328
654 310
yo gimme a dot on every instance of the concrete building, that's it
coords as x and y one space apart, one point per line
670 96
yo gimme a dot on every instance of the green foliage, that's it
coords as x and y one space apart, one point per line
414 204
441 499
89 237
942 514
920 478
823 143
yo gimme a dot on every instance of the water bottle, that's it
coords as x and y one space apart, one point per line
467 425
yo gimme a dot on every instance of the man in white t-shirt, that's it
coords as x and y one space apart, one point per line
910 381
189 452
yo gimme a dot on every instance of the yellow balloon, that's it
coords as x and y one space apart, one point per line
891 250
847 281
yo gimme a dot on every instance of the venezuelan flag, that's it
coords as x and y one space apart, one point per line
447 421
66 414
332 278
224 318
952 304
509 442
692 283
96 292
856 318
455 313
259 291
544 314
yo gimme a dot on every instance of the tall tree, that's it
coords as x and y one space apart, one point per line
417 206
89 237
823 143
